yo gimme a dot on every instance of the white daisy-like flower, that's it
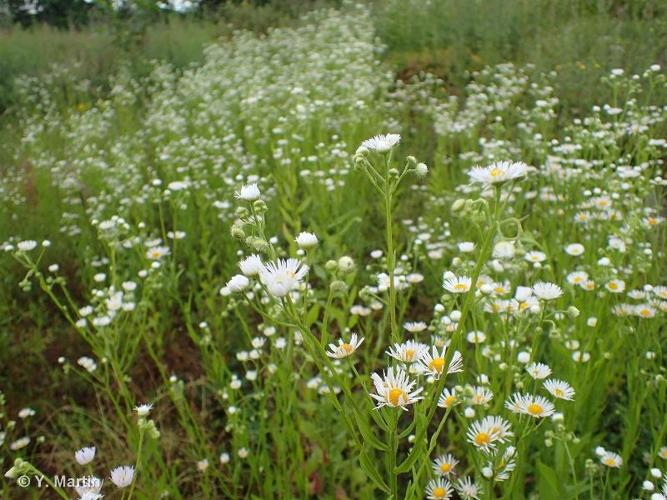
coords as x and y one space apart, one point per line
527 404
480 396
122 476
444 464
143 410
456 284
381 143
448 398
85 455
485 433
394 389
90 488
547 291
26 412
283 276
535 257
26 245
467 489
559 389
575 249
414 326
20 443
538 371
611 459
439 489
476 337
251 265
504 250
248 192
498 172
157 252
345 349
577 278
409 351
306 240
237 283
466 246
433 363
644 311
615 286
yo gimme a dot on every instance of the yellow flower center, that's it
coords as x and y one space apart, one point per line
482 439
558 393
644 312
500 289
395 396
577 280
409 354
445 468
496 172
613 286
535 409
460 287
347 348
523 306
437 365
450 400
652 221
610 461
439 492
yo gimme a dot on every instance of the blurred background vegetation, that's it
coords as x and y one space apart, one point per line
581 39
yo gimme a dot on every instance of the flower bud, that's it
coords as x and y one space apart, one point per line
458 205
421 169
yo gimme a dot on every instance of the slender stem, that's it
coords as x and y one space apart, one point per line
137 462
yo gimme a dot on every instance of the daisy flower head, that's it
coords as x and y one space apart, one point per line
535 257
547 291
433 363
611 459
577 278
122 476
527 404
380 143
306 240
157 252
485 433
467 489
414 326
143 410
283 276
90 488
237 283
538 370
444 465
456 284
395 389
248 192
480 396
448 398
498 172
575 249
615 286
251 265
345 349
26 245
439 489
559 389
85 455
409 351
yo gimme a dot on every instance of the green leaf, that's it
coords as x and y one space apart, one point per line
368 467
548 483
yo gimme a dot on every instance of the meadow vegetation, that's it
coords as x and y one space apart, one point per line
344 253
